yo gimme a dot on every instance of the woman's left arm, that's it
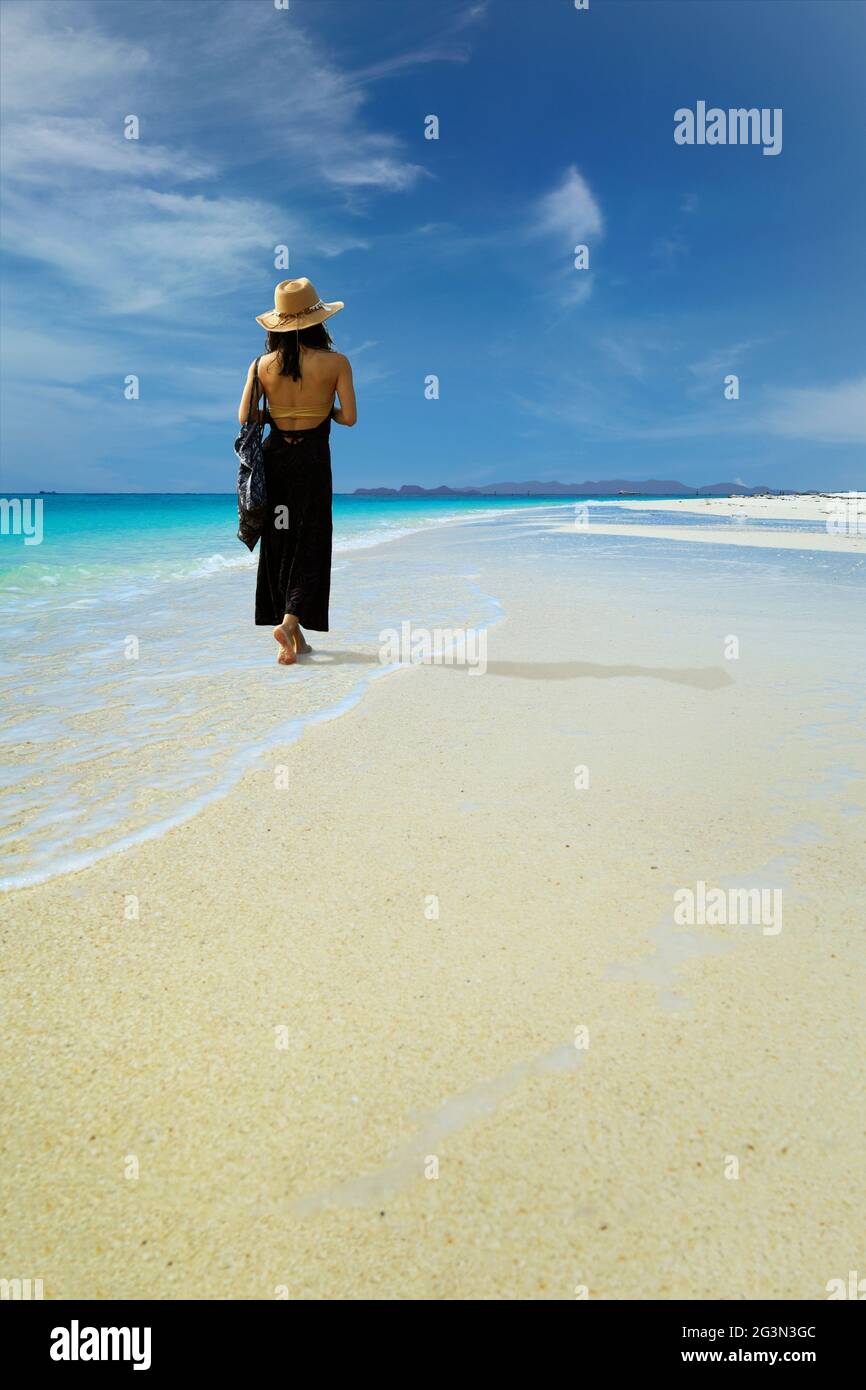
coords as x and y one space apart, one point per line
244 407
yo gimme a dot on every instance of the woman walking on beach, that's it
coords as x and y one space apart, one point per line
300 375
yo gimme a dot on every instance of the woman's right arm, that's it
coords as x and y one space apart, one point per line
244 407
346 413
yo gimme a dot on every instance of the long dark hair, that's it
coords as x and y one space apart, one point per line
288 346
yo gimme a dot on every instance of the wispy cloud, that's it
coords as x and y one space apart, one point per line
710 370
184 246
53 55
88 203
64 147
314 128
568 216
626 407
83 200
569 212
667 251
448 46
628 354
822 414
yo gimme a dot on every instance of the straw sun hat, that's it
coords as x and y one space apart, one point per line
296 305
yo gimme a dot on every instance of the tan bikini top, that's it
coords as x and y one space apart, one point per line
290 412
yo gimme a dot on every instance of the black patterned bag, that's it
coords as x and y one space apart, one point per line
252 488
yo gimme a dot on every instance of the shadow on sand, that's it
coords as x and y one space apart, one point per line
698 677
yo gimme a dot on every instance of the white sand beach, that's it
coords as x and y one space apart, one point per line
843 518
407 1014
823 506
737 535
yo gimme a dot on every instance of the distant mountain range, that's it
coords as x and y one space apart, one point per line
651 487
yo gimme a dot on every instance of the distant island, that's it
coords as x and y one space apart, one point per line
626 487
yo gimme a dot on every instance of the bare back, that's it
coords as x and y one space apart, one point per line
295 406
318 385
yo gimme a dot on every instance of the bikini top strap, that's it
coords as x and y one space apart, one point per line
257 392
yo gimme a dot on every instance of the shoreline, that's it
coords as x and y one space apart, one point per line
283 737
802 509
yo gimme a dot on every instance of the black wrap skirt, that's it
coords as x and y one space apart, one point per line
295 548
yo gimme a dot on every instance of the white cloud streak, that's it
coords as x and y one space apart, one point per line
822 414
91 205
567 216
569 212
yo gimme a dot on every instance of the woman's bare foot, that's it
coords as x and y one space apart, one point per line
287 636
303 645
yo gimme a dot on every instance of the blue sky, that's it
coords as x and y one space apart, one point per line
261 127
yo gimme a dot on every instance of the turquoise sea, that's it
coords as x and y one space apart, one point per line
96 546
136 687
